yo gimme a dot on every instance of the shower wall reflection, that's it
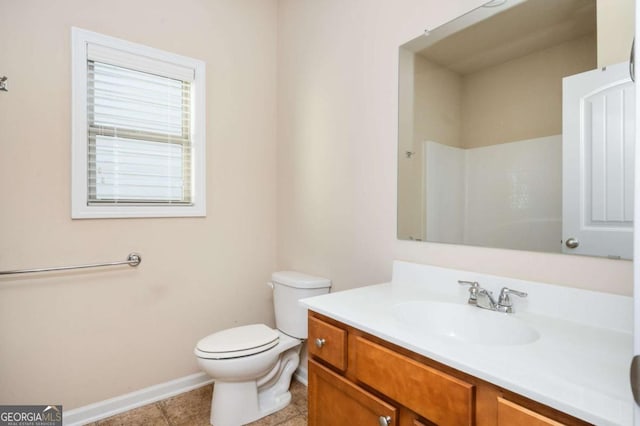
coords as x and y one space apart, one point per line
504 195
480 146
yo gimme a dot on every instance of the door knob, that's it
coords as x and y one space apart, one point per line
320 342
572 243
634 377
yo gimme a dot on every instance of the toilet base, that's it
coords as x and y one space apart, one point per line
239 403
231 408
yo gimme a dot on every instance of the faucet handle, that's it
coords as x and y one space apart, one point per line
505 301
473 289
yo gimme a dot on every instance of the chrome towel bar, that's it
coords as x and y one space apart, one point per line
133 259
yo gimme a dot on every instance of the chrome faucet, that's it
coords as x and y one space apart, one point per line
483 298
504 301
474 287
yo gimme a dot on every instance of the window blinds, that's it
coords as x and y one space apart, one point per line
139 134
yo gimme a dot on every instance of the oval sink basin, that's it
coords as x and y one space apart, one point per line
465 323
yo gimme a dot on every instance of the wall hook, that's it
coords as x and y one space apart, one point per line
3 84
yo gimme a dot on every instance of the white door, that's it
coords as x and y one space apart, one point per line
598 110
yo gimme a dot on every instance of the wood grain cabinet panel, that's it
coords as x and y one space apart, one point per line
434 395
328 343
510 413
334 400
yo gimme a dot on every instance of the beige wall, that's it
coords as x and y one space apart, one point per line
337 129
76 338
410 222
615 31
522 98
437 104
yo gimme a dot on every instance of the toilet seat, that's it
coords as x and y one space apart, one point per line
237 342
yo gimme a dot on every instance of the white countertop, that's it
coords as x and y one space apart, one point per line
579 365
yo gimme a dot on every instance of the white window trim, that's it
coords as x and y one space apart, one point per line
79 191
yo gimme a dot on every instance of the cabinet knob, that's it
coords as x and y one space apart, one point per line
320 342
384 420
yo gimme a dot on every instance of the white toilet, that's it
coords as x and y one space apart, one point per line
252 365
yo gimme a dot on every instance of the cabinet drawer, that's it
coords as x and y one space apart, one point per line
434 395
328 343
510 413
333 400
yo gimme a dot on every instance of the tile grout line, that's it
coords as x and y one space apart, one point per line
163 411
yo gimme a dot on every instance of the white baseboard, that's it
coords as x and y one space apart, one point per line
301 376
120 404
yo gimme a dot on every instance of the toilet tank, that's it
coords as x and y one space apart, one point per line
288 288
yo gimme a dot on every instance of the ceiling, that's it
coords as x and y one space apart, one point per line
520 30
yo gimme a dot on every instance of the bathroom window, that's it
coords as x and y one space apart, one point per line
138 130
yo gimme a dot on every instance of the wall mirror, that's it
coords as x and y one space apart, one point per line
516 130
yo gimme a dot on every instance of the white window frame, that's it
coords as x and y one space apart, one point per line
80 209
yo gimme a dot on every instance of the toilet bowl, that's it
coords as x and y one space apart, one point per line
252 365
250 382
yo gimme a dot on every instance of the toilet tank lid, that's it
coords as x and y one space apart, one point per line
299 280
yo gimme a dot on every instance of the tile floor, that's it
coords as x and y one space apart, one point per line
192 409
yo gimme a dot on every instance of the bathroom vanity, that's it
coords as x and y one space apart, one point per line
413 352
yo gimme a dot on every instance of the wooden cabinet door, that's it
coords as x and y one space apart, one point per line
328 343
433 394
335 401
510 413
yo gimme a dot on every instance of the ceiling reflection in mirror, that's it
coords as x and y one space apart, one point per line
482 133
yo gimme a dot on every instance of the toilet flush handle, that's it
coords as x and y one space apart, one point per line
270 284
